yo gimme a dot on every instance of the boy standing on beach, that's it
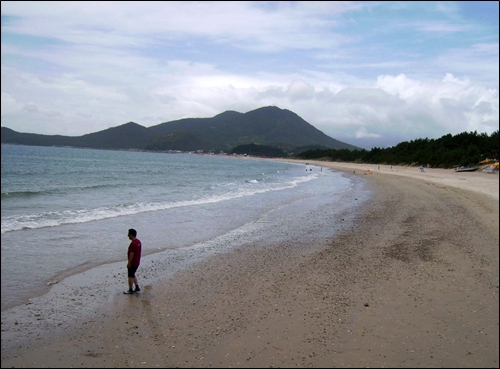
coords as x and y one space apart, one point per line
134 259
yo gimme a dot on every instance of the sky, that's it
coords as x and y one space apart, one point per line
371 74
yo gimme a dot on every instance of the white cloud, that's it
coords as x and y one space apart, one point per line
400 85
363 133
9 104
299 90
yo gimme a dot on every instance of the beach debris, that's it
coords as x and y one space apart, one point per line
366 304
50 283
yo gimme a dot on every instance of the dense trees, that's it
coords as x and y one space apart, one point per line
259 150
466 148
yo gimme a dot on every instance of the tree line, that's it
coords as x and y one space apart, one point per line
466 148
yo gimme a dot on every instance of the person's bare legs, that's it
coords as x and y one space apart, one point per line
131 282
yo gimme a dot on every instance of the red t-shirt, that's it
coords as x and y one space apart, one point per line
135 247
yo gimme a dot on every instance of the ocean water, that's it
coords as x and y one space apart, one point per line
67 210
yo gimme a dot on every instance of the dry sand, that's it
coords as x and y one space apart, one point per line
413 284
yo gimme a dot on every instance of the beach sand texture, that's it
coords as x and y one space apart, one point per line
413 284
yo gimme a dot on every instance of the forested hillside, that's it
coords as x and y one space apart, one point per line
267 126
467 148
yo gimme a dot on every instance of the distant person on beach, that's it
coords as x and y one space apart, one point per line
134 259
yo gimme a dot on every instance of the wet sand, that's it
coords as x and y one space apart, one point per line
413 284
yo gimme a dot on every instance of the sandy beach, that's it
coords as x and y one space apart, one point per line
414 283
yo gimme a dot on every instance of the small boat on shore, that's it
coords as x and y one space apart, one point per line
466 169
491 168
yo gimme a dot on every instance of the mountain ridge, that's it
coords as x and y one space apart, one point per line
269 126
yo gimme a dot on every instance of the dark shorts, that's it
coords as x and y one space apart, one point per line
131 271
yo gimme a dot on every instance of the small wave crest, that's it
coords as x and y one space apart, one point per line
20 194
12 195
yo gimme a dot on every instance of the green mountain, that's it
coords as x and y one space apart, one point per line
268 126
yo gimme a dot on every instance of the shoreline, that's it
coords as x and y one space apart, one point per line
413 284
480 182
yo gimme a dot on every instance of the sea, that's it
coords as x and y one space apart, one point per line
67 211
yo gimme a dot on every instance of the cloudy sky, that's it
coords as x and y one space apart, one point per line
371 74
